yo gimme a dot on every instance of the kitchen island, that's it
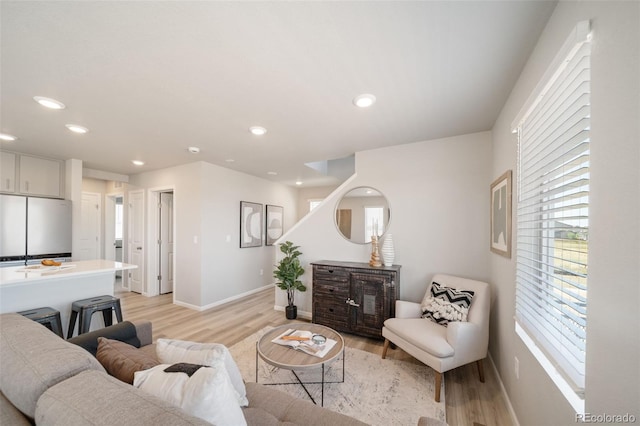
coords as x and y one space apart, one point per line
58 288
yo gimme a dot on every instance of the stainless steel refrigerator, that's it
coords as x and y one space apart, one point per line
33 229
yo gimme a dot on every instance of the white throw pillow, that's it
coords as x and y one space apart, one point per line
207 394
171 351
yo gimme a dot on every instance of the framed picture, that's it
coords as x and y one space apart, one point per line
274 225
250 224
501 215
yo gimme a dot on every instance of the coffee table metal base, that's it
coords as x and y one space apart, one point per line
322 382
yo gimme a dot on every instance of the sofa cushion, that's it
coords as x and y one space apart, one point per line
426 335
32 359
172 351
93 398
123 331
271 407
10 415
443 304
207 393
121 360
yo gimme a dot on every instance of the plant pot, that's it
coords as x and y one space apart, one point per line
291 311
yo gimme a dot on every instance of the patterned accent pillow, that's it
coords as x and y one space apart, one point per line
444 304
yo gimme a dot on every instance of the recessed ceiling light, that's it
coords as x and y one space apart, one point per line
48 102
6 137
229 160
364 101
298 182
272 173
194 149
138 162
257 130
76 128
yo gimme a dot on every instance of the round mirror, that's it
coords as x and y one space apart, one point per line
361 212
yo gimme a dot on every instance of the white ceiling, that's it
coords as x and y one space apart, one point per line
149 79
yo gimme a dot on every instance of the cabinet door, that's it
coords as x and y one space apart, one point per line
40 176
7 172
369 292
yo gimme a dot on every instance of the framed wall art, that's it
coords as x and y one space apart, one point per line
250 224
501 215
274 224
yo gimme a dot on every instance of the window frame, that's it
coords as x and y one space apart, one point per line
542 202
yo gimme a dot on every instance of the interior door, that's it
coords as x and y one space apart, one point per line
166 242
90 224
136 240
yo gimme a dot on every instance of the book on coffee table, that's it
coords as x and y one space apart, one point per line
302 340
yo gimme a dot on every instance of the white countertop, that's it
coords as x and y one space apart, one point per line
12 275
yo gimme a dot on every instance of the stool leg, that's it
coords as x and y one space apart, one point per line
118 310
56 325
72 324
107 314
85 320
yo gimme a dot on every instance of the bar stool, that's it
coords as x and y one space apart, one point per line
46 316
87 307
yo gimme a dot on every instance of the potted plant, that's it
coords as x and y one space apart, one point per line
287 272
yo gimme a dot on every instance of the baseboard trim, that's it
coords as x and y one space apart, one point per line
301 314
223 301
512 413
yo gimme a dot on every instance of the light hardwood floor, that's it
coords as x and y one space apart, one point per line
468 402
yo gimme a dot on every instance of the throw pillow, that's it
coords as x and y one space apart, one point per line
173 351
207 394
121 360
444 304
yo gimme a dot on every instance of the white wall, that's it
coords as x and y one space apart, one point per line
438 193
313 193
227 269
613 325
207 210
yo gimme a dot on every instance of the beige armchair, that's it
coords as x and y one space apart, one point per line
443 348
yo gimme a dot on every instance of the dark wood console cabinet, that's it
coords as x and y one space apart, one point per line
354 297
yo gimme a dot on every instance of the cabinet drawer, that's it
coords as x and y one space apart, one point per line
336 313
329 273
342 325
331 288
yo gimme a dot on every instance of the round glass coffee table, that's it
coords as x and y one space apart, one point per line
287 358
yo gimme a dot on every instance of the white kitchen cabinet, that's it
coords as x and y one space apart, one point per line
28 175
7 172
40 176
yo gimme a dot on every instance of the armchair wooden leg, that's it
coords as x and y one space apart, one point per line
384 349
480 370
438 385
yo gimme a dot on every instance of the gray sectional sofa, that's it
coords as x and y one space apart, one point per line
50 381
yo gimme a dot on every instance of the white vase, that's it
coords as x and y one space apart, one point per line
388 253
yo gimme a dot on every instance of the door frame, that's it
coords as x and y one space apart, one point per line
128 221
110 227
153 233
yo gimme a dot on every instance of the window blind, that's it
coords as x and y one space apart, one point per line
552 219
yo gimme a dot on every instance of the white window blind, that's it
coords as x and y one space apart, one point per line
552 221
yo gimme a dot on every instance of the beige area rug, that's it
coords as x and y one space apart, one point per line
376 391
